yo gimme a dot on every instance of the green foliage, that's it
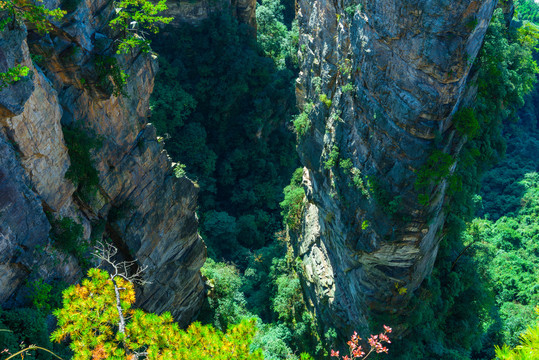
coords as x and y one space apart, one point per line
348 88
273 276
221 231
436 168
471 24
274 36
528 349
89 318
40 295
350 10
507 255
274 341
288 297
506 72
110 76
301 122
527 10
357 181
466 122
333 158
226 302
33 12
179 170
388 203
13 75
222 109
292 205
67 235
346 165
135 19
325 100
268 286
82 171
26 326
317 84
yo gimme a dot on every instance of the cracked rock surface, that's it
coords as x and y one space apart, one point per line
384 79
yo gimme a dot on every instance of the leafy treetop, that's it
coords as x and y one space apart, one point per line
90 318
136 19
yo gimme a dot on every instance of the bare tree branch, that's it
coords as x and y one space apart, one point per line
127 270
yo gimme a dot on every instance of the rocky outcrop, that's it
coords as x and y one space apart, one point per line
193 12
385 79
144 209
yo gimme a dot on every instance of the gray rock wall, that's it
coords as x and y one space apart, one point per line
193 12
385 78
147 211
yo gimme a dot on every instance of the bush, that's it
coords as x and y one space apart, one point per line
26 326
82 171
67 236
301 122
333 158
226 303
292 205
466 122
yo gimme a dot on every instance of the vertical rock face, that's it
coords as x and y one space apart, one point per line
147 212
194 12
385 79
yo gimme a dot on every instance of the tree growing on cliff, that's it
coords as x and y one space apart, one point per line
12 11
98 319
136 19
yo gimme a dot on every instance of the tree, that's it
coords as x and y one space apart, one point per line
528 348
35 13
98 318
136 19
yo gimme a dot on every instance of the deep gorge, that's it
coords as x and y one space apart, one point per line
314 165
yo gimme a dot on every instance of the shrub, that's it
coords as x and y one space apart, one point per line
13 75
110 77
302 122
466 122
227 304
528 349
40 295
436 168
292 205
333 158
24 326
348 88
67 236
346 165
144 14
325 100
357 182
356 350
82 171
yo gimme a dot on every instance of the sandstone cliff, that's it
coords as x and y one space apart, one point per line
138 202
380 82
